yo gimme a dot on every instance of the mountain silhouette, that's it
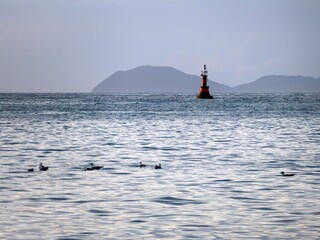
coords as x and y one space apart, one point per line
150 79
281 84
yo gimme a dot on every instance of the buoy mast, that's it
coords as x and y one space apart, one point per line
204 89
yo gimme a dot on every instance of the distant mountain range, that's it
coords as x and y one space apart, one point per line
150 79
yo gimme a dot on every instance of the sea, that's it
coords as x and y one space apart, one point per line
221 160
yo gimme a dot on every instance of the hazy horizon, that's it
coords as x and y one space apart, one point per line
71 46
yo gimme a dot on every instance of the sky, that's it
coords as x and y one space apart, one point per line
72 45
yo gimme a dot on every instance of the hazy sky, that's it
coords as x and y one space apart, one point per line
72 45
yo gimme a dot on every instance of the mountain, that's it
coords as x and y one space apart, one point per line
281 84
150 79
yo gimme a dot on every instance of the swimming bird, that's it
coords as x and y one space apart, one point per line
92 167
42 168
142 165
158 166
30 170
287 174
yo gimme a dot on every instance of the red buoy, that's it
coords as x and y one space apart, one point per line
204 89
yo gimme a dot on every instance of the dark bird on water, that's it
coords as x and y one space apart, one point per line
158 166
30 170
142 165
287 174
42 168
92 167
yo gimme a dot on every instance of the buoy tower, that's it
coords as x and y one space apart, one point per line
204 89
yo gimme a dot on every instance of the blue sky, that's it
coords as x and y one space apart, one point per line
72 45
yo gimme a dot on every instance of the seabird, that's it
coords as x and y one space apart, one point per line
287 174
142 165
157 166
92 167
42 168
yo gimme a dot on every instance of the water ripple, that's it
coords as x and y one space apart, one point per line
176 201
221 166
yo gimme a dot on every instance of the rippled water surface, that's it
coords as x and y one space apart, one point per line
221 162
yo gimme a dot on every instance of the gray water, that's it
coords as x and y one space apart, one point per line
221 162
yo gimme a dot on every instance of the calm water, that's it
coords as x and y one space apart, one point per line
221 161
